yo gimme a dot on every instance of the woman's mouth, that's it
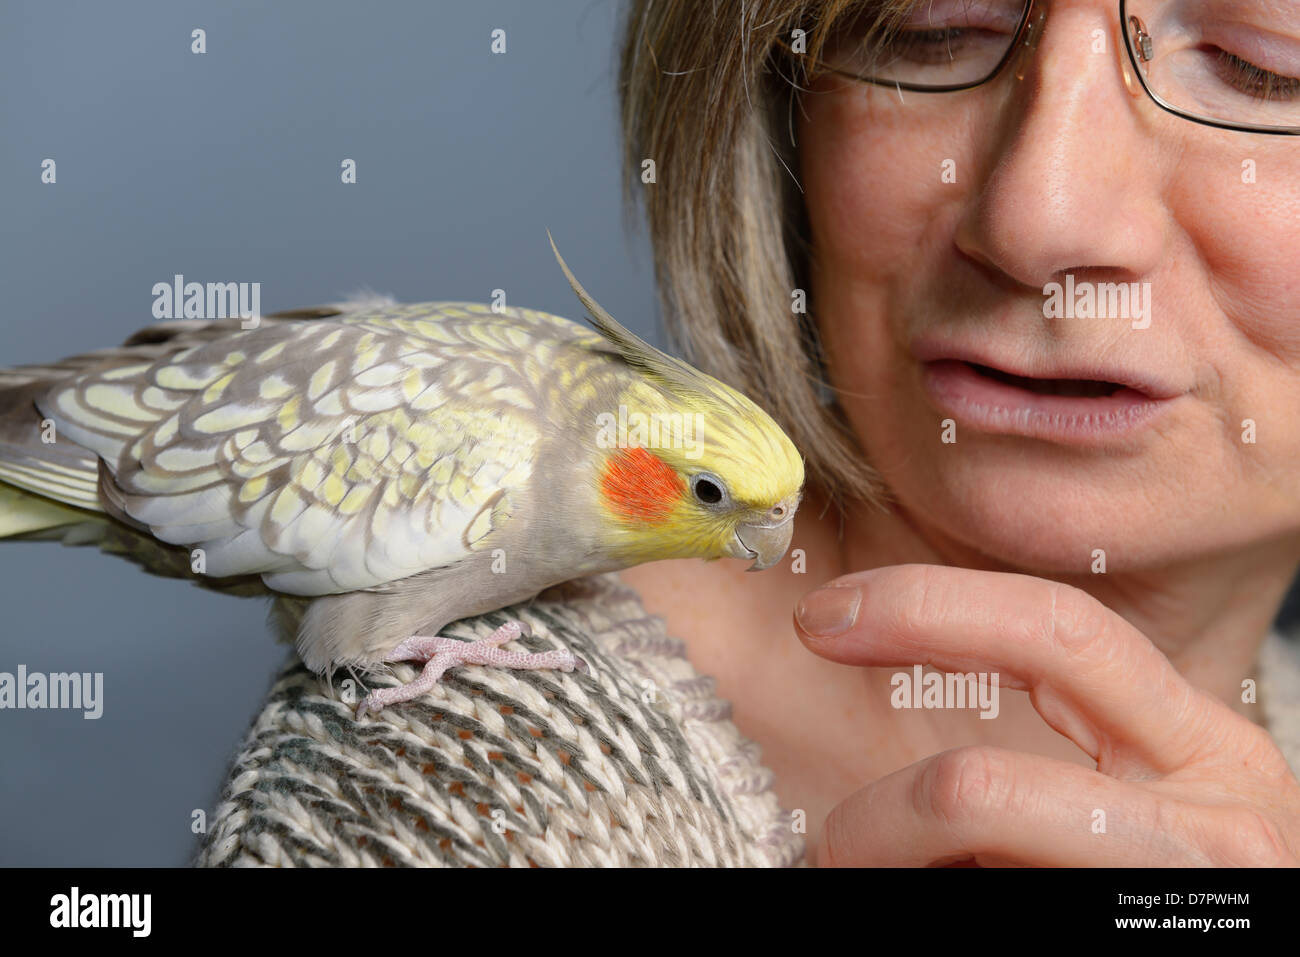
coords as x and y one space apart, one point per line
1076 410
1081 388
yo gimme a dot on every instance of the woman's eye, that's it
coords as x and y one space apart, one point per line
957 43
1255 81
942 45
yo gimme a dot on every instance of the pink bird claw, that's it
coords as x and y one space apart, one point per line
371 702
442 653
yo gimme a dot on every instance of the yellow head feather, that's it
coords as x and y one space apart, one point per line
714 429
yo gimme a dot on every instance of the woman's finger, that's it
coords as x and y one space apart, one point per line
1005 807
1092 676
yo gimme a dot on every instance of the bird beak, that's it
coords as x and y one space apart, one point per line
766 544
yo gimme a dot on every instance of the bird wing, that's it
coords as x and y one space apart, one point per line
330 455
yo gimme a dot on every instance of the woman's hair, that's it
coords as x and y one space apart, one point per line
708 94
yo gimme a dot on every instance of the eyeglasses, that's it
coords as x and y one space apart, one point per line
1232 64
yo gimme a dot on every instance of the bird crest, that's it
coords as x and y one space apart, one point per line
672 373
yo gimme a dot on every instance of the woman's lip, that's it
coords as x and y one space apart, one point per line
1147 386
990 405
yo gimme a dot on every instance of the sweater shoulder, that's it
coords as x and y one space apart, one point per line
635 763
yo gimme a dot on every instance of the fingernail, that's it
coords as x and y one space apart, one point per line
831 611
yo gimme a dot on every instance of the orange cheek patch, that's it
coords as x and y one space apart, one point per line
640 485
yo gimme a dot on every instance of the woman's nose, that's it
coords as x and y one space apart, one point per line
1075 167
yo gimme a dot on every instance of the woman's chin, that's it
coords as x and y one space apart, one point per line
1052 528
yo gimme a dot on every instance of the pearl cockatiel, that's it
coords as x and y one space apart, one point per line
401 467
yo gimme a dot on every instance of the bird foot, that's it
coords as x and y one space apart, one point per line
439 654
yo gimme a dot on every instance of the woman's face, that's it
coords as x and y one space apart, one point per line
1062 173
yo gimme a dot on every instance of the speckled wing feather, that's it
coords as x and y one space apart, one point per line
327 455
66 473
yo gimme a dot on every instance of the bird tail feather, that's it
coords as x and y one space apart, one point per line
22 513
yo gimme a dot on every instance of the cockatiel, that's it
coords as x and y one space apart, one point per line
401 467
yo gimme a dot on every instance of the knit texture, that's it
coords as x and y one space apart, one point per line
634 764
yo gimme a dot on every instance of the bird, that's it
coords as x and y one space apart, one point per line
385 470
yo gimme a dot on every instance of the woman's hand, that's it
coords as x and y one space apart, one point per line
1181 779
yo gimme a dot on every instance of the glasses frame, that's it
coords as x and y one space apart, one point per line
1024 36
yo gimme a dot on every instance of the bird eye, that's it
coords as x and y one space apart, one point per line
708 489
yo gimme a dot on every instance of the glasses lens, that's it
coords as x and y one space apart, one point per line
934 43
1231 61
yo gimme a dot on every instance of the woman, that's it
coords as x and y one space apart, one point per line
1104 511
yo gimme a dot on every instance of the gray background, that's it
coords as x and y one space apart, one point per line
225 167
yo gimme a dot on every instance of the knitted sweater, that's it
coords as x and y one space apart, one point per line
636 763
